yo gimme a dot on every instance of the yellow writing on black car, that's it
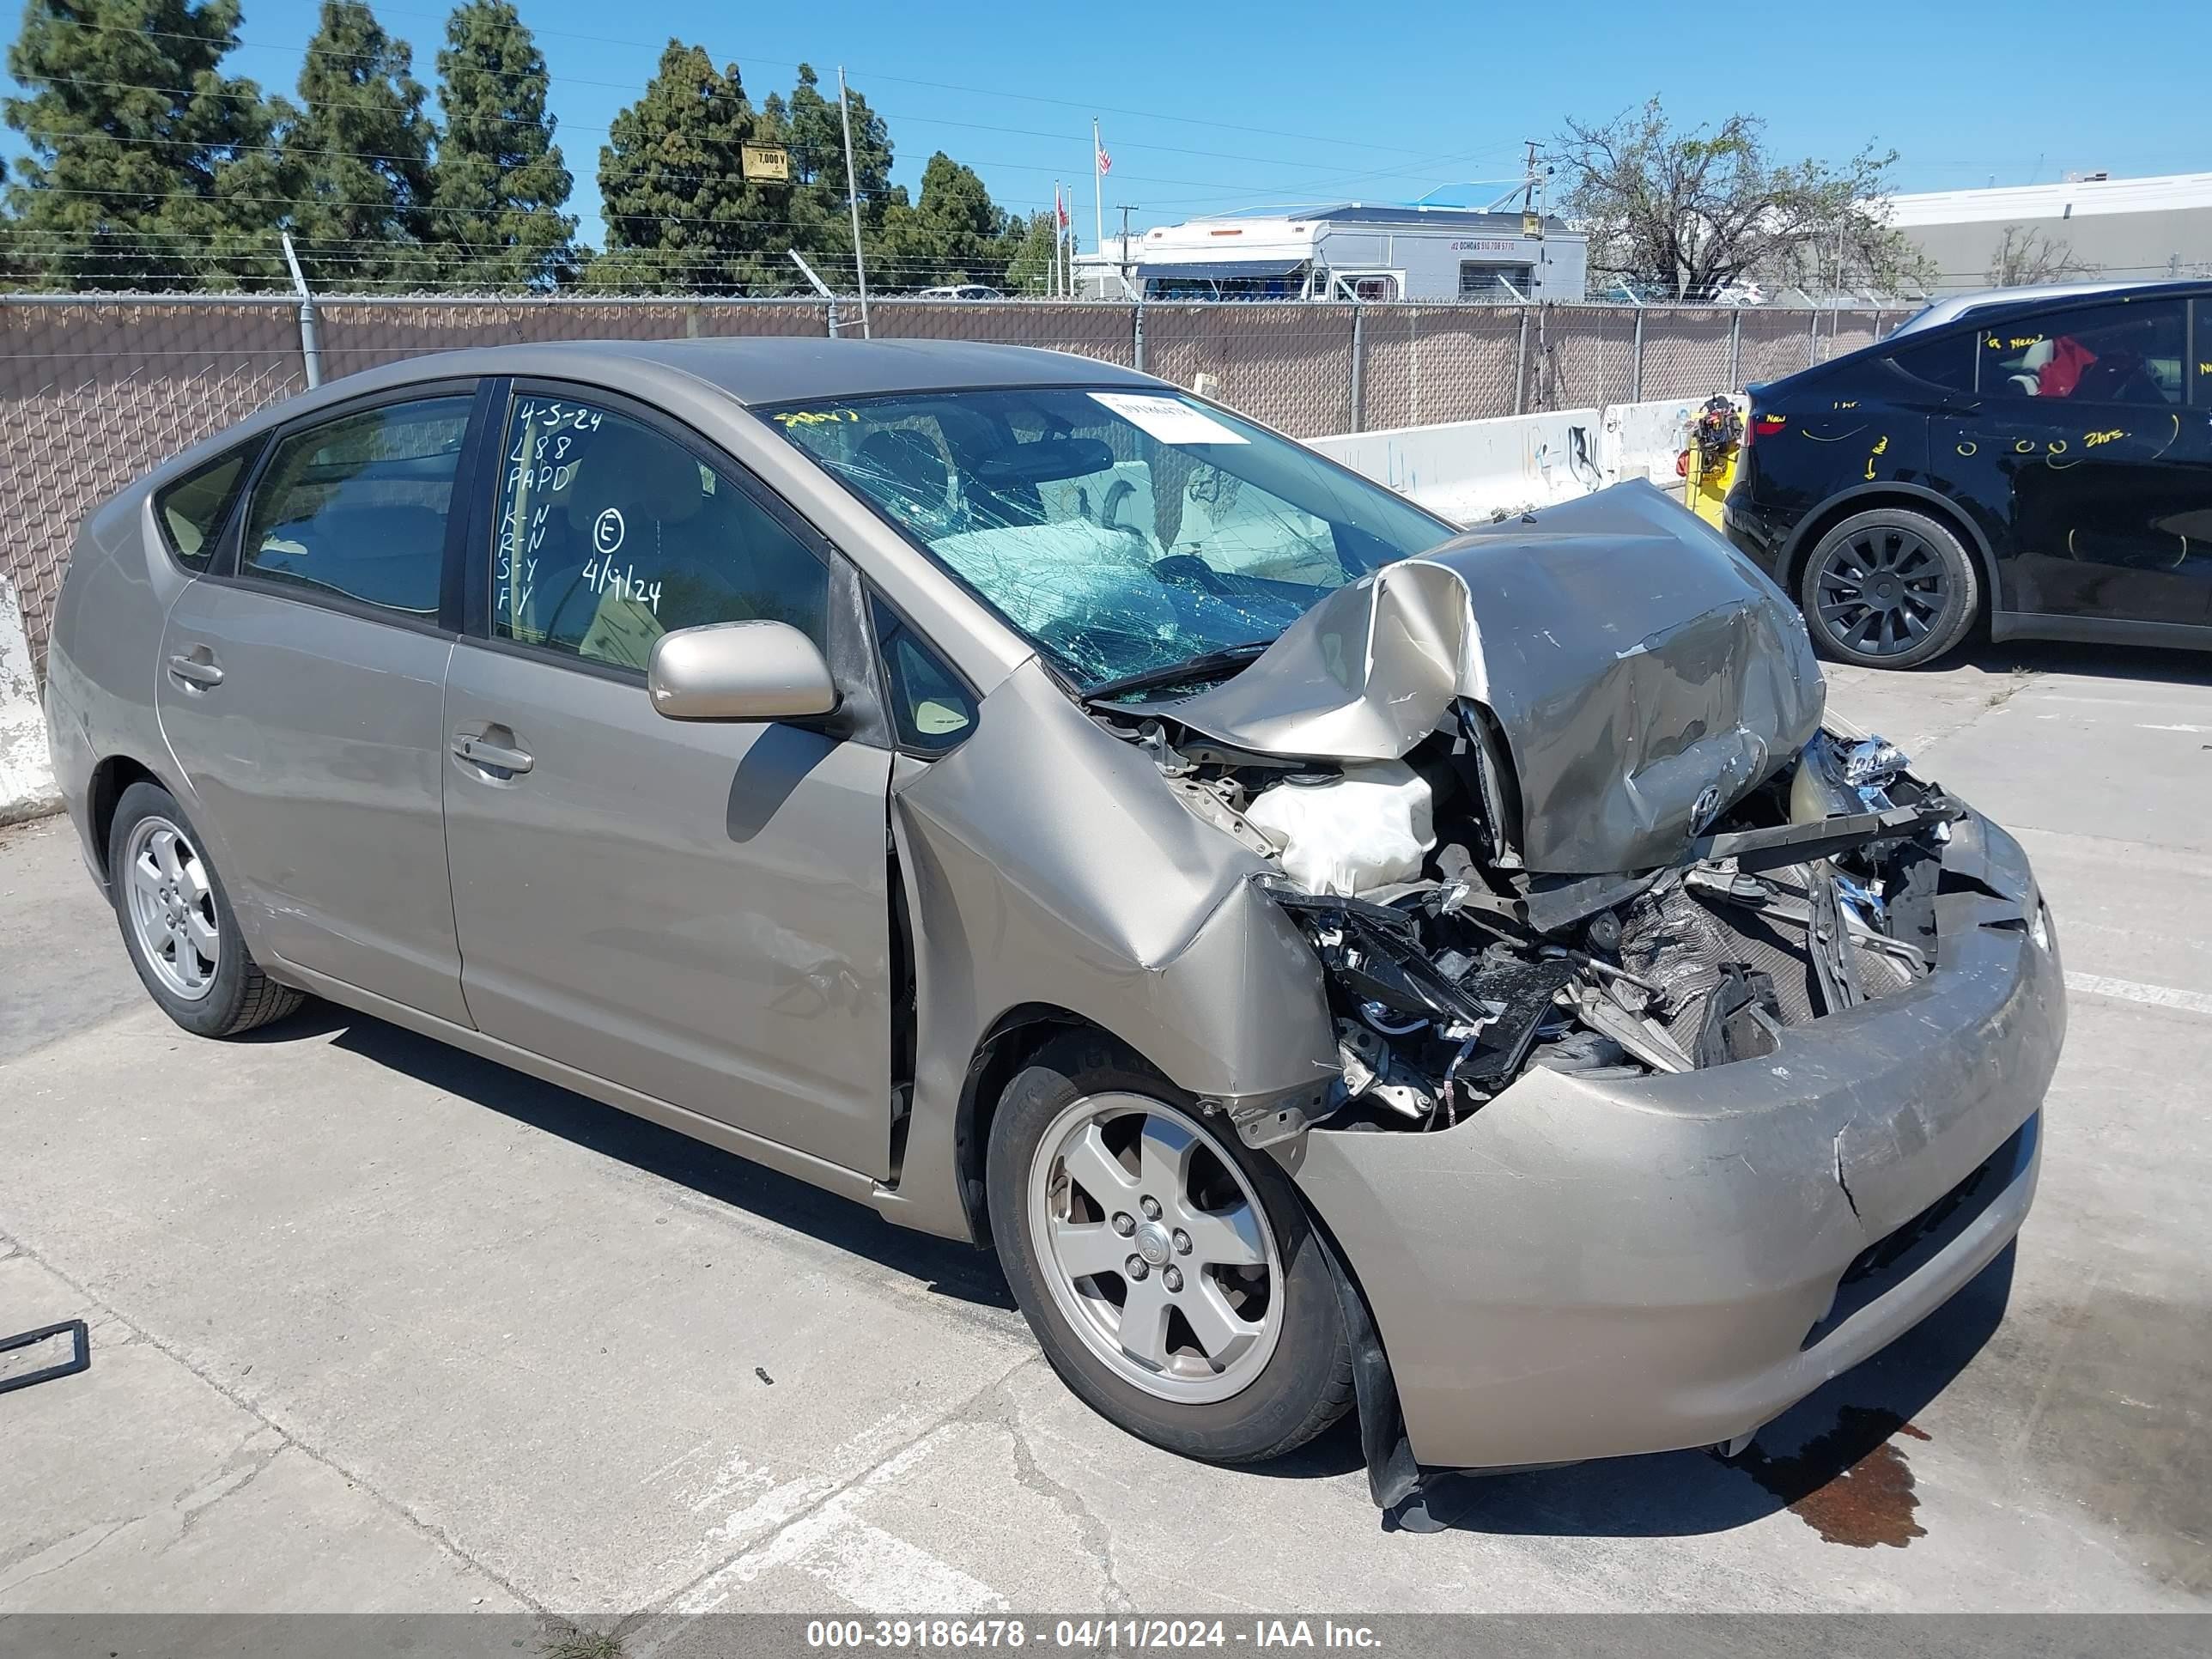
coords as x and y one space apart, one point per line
1880 448
2013 342
2091 440
813 416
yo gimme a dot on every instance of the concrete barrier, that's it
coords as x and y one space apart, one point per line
27 768
1470 470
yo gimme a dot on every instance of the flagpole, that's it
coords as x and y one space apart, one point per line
1097 189
1055 239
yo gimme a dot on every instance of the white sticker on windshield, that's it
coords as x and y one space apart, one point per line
1167 419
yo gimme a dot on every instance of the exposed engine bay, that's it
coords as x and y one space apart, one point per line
1559 793
1451 971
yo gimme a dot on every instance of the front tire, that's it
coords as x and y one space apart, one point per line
1889 588
177 924
1171 1275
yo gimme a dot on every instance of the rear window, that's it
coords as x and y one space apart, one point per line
1947 363
193 510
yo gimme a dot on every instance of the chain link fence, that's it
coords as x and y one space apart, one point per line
99 389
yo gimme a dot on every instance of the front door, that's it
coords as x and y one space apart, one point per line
302 694
697 911
2086 410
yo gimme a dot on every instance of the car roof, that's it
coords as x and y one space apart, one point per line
1960 306
753 370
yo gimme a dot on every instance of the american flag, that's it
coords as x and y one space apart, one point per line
1105 162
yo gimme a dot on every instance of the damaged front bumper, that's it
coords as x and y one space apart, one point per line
1590 1268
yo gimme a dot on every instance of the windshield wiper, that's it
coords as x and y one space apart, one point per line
1206 666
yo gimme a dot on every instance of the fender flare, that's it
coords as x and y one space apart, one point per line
1797 546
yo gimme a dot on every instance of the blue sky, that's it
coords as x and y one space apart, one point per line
1208 107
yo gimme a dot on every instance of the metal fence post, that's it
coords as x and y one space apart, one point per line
1543 348
1735 349
311 343
1359 357
1136 331
1812 340
1636 369
1521 367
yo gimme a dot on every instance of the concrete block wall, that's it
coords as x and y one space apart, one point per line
1470 470
26 770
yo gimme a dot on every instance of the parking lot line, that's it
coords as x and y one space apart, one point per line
2158 996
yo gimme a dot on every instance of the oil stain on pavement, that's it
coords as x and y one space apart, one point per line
1852 1485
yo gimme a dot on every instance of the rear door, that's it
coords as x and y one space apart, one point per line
2086 411
696 910
301 689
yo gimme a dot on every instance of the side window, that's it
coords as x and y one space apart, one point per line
1947 363
2128 352
193 510
931 708
611 534
357 506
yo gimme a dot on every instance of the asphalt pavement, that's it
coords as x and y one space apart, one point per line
378 1327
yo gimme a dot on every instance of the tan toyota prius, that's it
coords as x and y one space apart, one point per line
1331 957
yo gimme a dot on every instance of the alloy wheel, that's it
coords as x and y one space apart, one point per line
1883 592
172 904
1154 1248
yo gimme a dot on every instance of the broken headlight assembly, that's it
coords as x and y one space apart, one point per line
1451 976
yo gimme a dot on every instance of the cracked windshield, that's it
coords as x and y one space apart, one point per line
1145 542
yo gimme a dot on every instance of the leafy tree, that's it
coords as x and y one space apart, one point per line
499 183
1689 212
146 161
1028 253
357 156
679 213
2024 255
954 234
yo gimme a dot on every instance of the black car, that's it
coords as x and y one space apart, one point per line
2045 464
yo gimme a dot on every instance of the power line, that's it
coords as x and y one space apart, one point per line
1333 139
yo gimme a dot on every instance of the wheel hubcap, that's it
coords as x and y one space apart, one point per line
172 906
1155 1248
1883 592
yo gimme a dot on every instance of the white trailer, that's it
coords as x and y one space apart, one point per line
1361 251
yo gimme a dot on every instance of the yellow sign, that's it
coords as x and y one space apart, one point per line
1532 224
770 163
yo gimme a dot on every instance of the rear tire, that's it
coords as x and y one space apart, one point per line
177 924
1889 588
1231 1345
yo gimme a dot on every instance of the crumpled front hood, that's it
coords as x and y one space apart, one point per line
1644 674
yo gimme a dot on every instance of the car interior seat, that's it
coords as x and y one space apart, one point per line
908 474
2029 377
631 490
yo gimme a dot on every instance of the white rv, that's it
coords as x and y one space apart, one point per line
1359 251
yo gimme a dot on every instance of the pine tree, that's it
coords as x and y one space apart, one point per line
822 228
147 162
954 234
680 215
357 156
499 183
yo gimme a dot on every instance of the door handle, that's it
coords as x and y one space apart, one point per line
480 751
197 670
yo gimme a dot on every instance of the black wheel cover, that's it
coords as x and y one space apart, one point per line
1883 591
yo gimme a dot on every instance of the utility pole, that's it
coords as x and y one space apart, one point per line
853 199
1128 286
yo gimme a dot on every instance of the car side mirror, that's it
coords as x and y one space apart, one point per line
739 670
